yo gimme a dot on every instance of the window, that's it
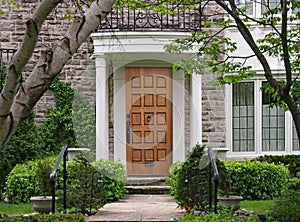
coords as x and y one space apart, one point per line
296 146
272 125
247 4
266 5
243 117
257 8
255 126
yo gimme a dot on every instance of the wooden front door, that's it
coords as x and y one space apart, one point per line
148 121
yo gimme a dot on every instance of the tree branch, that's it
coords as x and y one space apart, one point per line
50 65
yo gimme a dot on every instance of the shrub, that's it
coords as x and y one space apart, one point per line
291 161
286 208
114 178
256 180
94 183
189 183
45 218
23 146
221 216
22 182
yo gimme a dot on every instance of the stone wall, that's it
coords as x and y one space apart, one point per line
79 72
213 113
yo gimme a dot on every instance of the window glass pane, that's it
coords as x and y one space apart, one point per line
269 4
296 146
273 122
243 117
247 4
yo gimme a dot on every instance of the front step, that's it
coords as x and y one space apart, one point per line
146 181
147 185
147 189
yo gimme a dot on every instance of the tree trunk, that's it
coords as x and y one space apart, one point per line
17 102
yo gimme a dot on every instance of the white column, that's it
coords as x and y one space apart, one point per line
102 148
119 116
178 117
196 111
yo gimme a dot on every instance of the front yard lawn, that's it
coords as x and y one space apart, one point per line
258 205
23 208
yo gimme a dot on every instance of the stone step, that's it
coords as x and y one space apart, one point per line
146 181
163 189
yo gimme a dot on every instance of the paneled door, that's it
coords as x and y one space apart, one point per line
148 121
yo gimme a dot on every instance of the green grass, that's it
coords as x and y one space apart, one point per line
257 205
23 208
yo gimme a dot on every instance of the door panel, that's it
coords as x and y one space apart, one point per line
149 120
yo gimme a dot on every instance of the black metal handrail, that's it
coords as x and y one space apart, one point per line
216 180
63 154
179 18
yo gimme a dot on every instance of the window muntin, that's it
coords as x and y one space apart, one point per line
295 145
243 117
266 5
273 124
247 4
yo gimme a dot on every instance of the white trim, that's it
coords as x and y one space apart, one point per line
196 110
141 49
101 108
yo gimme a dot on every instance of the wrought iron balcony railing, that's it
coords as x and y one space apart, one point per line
5 56
177 19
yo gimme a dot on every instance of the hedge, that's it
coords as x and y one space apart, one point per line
256 180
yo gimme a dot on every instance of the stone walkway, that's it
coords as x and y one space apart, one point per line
138 207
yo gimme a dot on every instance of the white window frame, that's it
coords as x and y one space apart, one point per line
258 126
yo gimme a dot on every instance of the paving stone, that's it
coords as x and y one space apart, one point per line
139 207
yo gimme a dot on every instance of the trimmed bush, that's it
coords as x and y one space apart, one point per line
256 180
189 184
291 161
22 182
45 218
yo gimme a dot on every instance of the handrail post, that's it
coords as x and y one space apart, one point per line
65 180
52 181
216 176
63 154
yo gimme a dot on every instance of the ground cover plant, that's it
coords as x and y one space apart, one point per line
221 216
44 218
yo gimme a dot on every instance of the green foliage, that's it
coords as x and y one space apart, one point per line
189 183
57 130
286 208
292 162
22 182
84 121
2 71
43 171
94 183
24 145
44 218
256 180
221 216
257 205
114 178
71 122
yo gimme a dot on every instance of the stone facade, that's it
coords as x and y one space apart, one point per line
79 72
